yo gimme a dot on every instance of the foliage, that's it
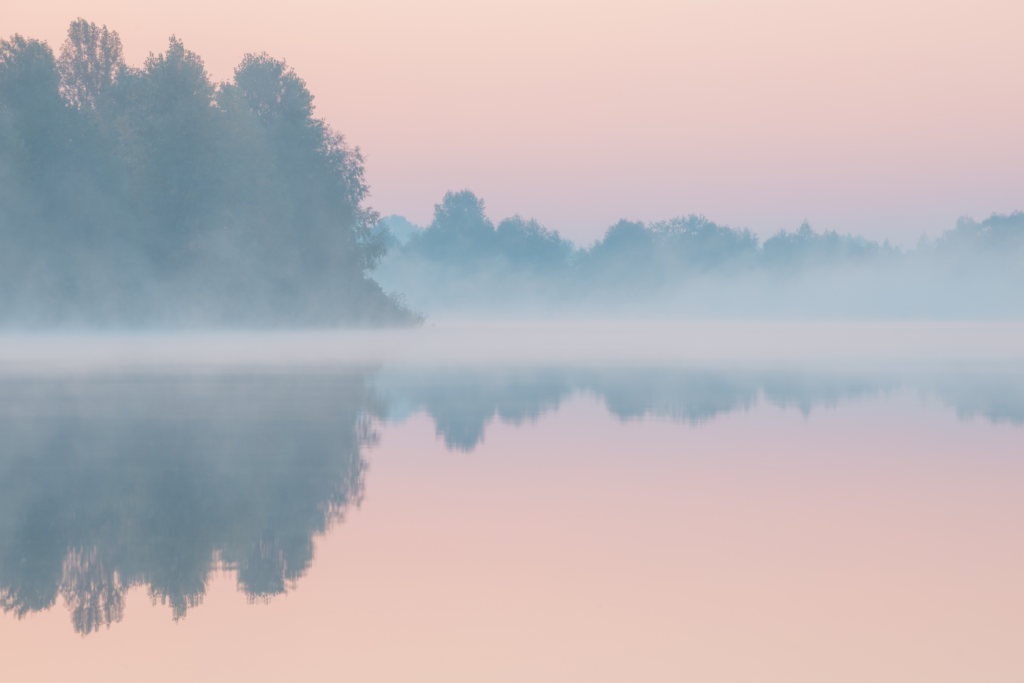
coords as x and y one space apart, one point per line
156 196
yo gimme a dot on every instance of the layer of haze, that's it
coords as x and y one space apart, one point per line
860 345
885 119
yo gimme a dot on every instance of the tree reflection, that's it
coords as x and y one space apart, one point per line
462 403
107 484
94 593
110 483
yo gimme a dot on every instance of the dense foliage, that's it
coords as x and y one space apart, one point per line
154 195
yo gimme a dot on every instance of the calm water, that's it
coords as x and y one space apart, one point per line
605 523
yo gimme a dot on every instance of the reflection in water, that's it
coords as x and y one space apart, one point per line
112 482
462 403
996 398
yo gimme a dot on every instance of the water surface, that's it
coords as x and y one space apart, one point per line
556 522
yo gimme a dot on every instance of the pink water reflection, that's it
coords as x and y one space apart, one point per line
878 541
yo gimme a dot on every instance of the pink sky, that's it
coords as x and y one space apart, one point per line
887 119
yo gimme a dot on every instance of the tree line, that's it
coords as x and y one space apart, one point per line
135 196
463 259
461 234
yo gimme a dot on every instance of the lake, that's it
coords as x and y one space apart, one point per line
805 504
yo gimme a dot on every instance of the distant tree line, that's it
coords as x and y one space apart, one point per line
462 235
154 195
463 258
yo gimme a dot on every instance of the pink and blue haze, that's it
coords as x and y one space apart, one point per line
887 119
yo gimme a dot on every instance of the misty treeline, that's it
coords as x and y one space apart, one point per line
690 265
154 195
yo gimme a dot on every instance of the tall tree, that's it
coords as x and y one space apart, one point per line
91 60
460 233
170 138
318 178
30 96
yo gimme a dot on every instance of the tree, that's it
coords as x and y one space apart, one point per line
30 97
529 245
318 183
627 253
91 61
170 137
460 234
695 243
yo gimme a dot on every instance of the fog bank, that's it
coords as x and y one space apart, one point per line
850 345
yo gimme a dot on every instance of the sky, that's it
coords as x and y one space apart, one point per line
887 119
